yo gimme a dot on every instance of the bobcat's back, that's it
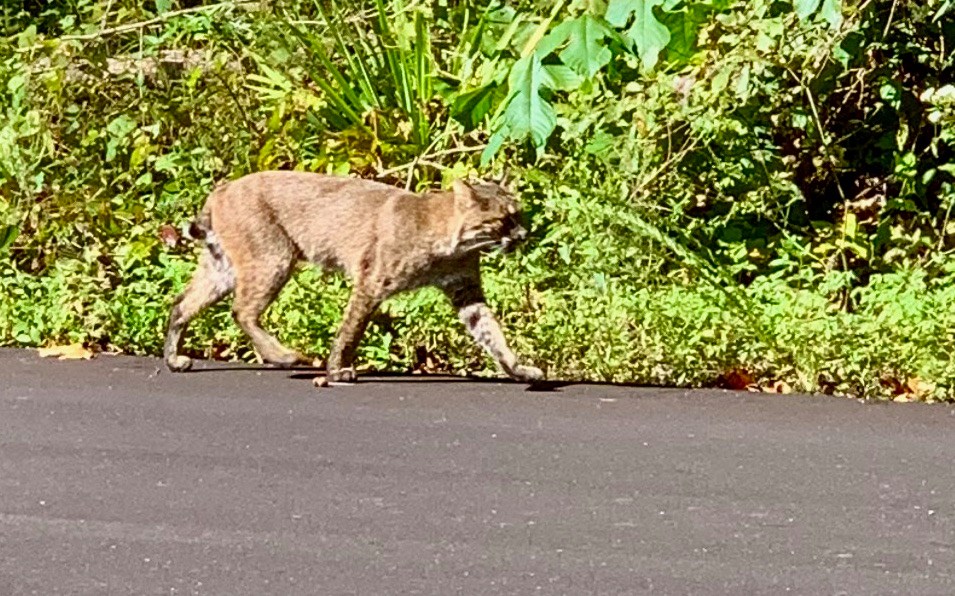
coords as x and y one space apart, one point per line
388 240
329 220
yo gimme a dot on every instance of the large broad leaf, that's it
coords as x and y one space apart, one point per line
831 10
527 113
805 8
554 38
584 52
684 26
618 12
563 77
470 107
647 33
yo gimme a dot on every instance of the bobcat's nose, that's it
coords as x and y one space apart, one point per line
519 233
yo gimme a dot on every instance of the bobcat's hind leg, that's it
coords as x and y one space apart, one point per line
256 287
212 281
361 306
468 298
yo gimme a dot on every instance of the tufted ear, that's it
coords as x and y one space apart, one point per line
464 196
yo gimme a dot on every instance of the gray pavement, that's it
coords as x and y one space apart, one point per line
116 478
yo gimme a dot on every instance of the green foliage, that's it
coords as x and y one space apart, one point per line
587 43
713 185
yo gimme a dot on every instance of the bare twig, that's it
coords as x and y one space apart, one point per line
823 137
417 160
109 7
154 21
888 23
432 164
170 61
426 159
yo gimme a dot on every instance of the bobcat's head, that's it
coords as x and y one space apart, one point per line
487 216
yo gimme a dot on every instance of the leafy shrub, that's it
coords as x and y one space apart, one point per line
717 189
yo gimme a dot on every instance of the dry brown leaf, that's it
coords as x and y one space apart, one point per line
914 389
920 388
893 384
67 352
169 235
781 387
738 379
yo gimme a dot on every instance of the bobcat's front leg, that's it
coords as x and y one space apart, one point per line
468 299
360 307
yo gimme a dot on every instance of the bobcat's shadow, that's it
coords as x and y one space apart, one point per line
548 385
307 373
393 377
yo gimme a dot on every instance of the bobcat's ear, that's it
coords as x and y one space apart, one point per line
464 196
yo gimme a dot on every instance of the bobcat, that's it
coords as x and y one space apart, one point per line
387 240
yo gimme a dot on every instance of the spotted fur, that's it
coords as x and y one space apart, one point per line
385 239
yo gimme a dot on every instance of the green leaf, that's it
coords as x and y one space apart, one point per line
527 113
805 8
648 34
7 235
554 38
832 12
119 130
163 6
943 10
121 126
584 52
742 82
564 78
721 79
470 107
619 12
684 26
494 145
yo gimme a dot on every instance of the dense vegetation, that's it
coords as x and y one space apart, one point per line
740 192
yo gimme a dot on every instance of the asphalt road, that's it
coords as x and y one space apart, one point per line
116 478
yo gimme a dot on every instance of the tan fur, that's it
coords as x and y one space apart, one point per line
385 239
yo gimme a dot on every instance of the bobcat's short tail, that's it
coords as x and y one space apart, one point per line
200 229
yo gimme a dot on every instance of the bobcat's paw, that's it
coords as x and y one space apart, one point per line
528 374
285 359
179 363
342 375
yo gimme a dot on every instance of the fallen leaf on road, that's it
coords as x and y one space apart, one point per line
67 352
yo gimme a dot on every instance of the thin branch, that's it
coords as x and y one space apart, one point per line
823 136
426 159
888 23
154 21
417 159
109 7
